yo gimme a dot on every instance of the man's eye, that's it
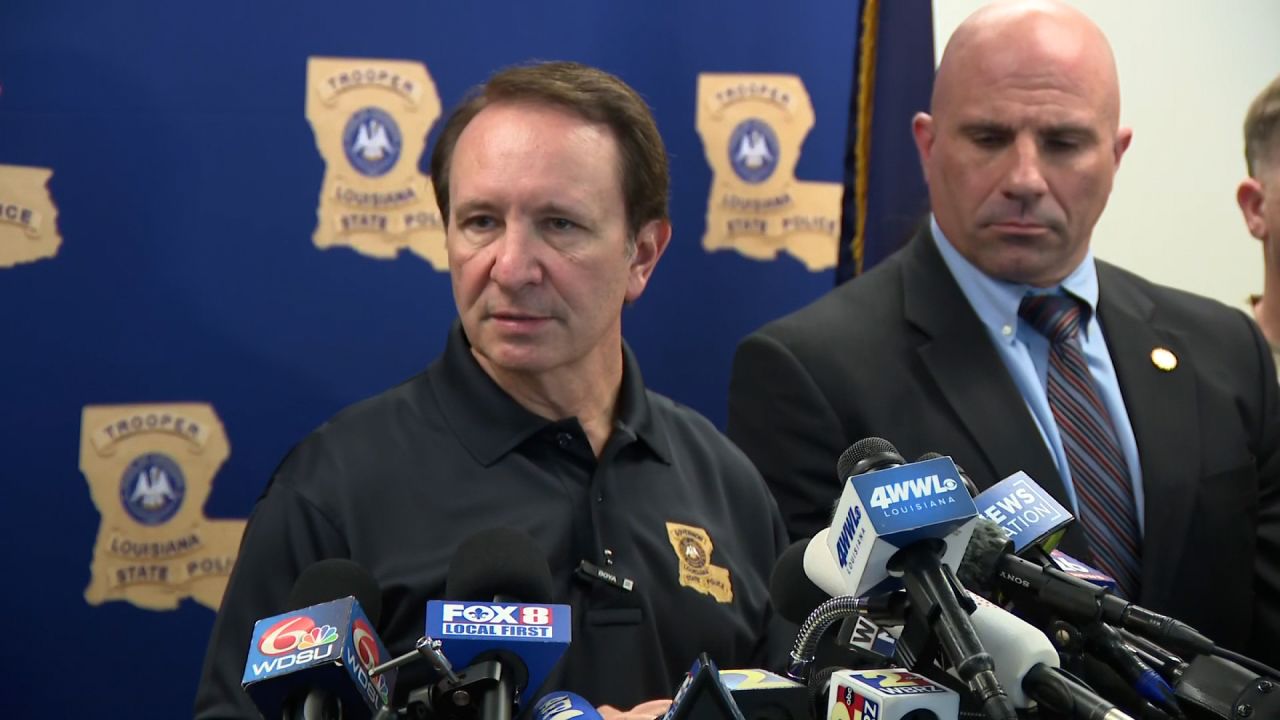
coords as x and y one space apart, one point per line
561 224
1061 145
988 140
480 222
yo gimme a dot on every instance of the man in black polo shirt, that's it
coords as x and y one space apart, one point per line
552 180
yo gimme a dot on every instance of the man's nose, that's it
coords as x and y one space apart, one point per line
1025 181
516 260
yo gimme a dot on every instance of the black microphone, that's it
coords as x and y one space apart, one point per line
313 662
988 567
499 564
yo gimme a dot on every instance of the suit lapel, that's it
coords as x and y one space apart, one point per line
1162 408
959 356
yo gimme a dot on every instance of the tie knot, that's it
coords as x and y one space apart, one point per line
1057 317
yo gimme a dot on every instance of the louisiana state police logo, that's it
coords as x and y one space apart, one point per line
372 141
152 489
693 549
753 150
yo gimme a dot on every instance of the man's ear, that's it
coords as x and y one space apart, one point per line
651 242
1124 137
1250 198
923 130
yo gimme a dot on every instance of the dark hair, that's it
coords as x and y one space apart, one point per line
590 93
1262 128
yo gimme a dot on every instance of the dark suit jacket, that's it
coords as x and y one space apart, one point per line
899 353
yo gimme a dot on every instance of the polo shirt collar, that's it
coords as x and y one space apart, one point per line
490 423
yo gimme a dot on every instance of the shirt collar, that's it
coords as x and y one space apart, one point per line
996 301
490 423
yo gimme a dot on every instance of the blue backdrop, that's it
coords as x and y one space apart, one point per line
186 178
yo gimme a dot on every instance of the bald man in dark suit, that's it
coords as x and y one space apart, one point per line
933 351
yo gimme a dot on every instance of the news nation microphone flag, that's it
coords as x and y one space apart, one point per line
330 646
470 632
885 197
1026 513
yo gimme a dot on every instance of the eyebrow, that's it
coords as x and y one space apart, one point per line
1058 130
471 206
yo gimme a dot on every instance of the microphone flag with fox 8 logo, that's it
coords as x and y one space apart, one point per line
331 645
537 634
889 695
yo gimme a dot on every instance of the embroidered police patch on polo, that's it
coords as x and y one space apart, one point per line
693 547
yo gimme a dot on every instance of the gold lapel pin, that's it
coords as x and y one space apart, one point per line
1164 359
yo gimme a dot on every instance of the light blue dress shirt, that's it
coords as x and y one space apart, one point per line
1026 353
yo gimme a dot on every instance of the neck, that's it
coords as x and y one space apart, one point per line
587 390
1267 310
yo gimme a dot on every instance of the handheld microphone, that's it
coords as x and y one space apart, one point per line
564 705
507 647
908 525
895 694
314 662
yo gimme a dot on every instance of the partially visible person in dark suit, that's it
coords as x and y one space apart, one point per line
1259 198
996 337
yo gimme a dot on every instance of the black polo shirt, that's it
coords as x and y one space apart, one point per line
398 481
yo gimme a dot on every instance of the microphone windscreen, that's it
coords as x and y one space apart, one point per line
867 454
335 578
793 594
977 570
499 563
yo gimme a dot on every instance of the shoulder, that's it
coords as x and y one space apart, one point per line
361 438
699 448
1186 311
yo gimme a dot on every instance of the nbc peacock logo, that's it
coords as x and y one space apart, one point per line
296 633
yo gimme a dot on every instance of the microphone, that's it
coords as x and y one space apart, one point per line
1026 662
508 642
564 705
314 662
895 694
908 525
792 591
987 561
1034 522
800 583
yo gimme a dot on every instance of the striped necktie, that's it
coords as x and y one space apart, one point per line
1098 470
